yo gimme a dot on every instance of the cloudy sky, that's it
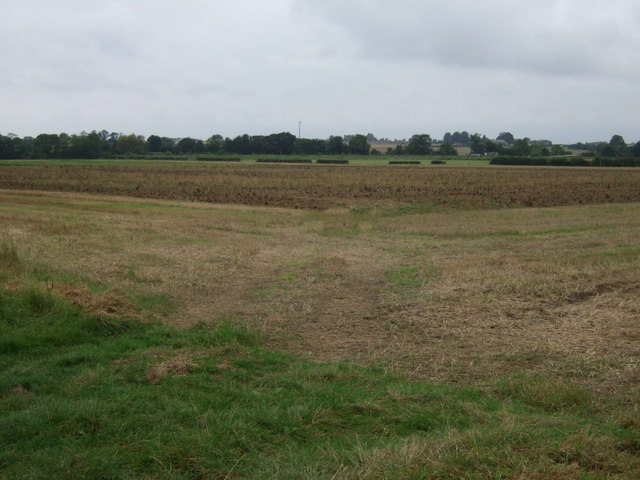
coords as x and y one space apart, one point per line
564 70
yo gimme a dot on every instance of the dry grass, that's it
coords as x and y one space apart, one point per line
460 296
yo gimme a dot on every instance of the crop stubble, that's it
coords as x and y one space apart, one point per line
325 187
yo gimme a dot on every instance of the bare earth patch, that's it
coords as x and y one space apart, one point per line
106 304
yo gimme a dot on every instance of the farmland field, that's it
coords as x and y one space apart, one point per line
520 283
323 187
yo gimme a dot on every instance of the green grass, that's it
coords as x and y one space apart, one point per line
365 160
91 397
409 278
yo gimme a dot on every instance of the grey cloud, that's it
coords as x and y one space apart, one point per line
544 36
389 67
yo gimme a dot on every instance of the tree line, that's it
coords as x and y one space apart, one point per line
97 144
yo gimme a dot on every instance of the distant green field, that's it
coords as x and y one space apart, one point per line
252 159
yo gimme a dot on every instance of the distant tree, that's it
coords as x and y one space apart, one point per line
154 144
186 145
214 143
558 150
241 145
65 144
336 145
283 143
46 146
26 146
11 147
478 144
618 144
85 145
309 146
635 150
521 147
606 150
260 144
167 144
459 138
617 141
493 147
135 144
506 137
419 145
447 148
358 145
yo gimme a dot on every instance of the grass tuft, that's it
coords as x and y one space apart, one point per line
541 391
9 259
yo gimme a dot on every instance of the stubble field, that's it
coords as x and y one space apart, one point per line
321 187
435 274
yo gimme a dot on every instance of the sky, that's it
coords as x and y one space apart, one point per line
563 70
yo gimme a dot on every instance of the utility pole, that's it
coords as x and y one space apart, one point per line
299 129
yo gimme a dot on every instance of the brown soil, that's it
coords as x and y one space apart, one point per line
329 186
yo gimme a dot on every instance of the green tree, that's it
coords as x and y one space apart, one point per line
46 146
419 145
135 144
11 147
283 143
311 146
358 145
154 144
506 137
606 150
447 148
478 144
85 145
241 144
190 145
214 143
336 146
618 144
617 141
521 147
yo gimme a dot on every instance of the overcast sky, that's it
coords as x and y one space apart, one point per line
564 70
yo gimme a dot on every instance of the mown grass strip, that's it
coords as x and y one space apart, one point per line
90 397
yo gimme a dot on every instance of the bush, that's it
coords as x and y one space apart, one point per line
333 162
283 160
438 162
567 161
404 162
218 159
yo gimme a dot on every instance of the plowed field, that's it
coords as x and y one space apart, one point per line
325 187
